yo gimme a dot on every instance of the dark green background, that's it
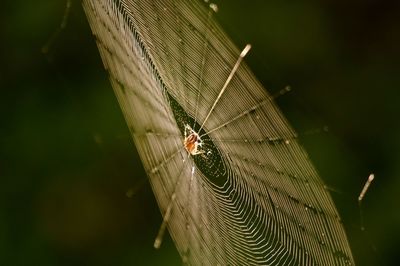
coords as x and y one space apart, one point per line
67 160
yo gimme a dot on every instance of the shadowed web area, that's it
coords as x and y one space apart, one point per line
253 197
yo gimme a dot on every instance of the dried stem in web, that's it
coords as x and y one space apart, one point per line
361 197
234 69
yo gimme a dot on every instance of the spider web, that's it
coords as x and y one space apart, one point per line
254 198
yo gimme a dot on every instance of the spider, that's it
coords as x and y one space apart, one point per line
193 142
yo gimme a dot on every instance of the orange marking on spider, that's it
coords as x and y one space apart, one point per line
192 141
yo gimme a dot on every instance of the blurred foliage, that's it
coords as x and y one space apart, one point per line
73 191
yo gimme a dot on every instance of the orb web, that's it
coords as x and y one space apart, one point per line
253 198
